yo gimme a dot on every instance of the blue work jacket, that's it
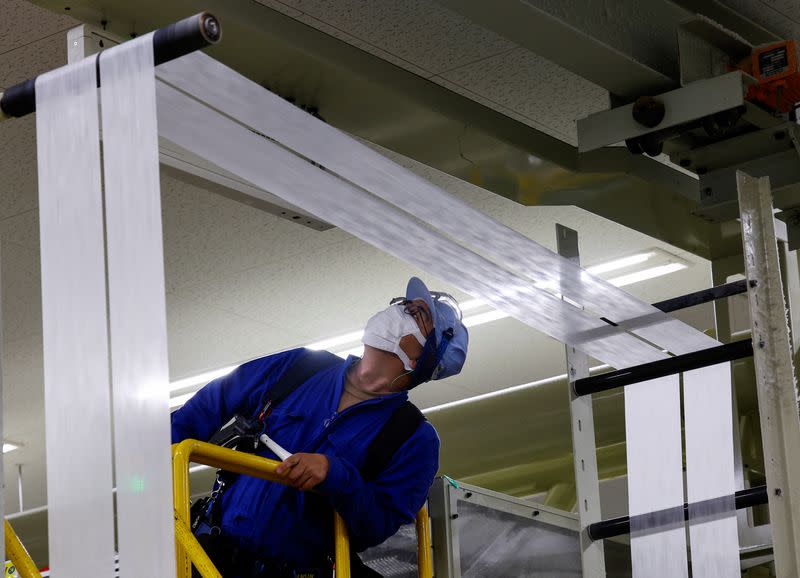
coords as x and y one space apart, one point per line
277 521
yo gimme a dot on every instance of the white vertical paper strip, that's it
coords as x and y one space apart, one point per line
74 323
655 478
137 311
713 533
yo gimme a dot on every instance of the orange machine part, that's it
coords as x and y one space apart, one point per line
775 68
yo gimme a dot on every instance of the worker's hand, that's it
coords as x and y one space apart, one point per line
304 471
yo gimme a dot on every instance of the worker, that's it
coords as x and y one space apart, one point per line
340 421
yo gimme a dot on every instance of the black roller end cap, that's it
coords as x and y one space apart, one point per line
210 28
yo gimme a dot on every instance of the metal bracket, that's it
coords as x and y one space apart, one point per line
771 152
584 449
442 502
775 377
698 100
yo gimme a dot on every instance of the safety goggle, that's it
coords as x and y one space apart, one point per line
437 296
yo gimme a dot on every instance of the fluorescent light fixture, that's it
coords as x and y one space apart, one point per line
620 263
9 447
357 351
471 304
200 379
332 342
504 391
645 274
481 318
179 400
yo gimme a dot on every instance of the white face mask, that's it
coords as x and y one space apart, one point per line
386 328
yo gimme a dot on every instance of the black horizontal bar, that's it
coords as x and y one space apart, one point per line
663 367
704 296
185 36
622 525
169 43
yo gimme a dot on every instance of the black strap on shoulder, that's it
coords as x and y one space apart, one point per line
395 432
307 364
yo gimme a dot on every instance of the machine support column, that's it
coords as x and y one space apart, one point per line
790 269
443 510
584 450
775 377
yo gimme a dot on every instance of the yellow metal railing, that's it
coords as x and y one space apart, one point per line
188 550
18 555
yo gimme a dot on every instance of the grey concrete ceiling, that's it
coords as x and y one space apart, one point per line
242 283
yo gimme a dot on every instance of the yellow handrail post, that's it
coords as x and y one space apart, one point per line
424 555
186 544
180 495
342 548
19 555
240 463
195 551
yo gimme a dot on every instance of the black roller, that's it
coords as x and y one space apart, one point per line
20 99
664 367
703 296
169 43
622 525
185 36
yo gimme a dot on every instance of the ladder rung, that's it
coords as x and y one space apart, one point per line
622 525
703 296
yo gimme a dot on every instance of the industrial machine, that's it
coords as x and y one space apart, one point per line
738 112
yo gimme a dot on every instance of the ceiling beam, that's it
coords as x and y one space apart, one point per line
562 43
754 33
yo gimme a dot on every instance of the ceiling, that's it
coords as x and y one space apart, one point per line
478 114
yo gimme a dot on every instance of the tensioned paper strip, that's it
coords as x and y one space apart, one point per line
137 311
76 390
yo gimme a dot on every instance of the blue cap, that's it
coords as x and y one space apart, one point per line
446 316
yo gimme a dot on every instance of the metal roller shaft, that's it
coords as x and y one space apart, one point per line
169 43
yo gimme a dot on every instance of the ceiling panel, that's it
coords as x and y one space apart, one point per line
788 7
32 58
645 30
208 236
22 229
364 45
780 16
202 337
419 32
23 389
22 22
18 137
323 292
535 88
511 113
280 6
18 192
22 302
